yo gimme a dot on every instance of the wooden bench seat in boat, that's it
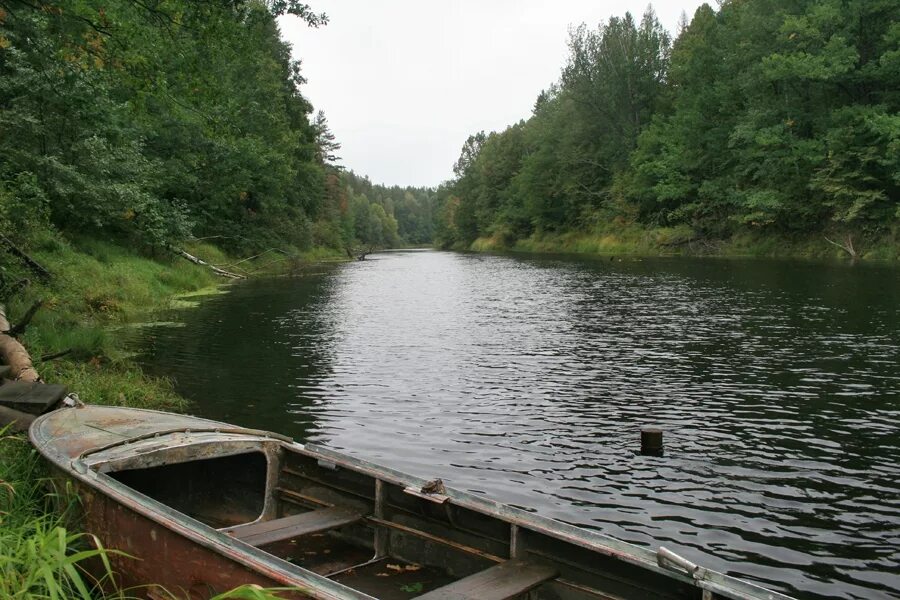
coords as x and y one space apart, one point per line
502 582
285 528
31 397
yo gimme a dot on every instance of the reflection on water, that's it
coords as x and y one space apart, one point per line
778 385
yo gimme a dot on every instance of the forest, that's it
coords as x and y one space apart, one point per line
150 122
155 122
362 215
763 117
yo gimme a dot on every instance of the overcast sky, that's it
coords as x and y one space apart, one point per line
404 82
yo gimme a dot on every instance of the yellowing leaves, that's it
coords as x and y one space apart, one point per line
398 569
403 568
4 43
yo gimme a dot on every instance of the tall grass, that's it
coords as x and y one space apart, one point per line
39 558
251 592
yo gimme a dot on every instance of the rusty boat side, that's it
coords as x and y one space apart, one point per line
205 506
161 545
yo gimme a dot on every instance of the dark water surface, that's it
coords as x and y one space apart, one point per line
778 385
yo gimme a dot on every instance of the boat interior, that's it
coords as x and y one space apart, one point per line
379 532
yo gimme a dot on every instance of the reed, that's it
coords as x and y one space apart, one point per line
39 557
251 592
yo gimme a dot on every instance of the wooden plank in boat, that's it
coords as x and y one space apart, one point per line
285 528
30 397
506 580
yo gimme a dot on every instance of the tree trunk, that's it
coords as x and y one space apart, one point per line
14 353
203 263
32 264
846 247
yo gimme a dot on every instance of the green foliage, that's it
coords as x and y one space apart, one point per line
251 592
763 116
359 213
23 204
39 558
553 172
151 123
860 176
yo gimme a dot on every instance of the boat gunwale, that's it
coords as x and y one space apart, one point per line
705 578
209 537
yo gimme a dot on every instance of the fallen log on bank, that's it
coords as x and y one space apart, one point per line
19 328
255 256
16 357
203 263
846 247
361 254
14 354
34 265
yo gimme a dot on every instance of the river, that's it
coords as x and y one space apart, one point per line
528 378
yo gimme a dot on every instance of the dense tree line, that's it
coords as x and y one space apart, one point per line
763 115
361 215
152 121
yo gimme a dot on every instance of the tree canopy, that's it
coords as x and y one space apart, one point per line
155 120
762 115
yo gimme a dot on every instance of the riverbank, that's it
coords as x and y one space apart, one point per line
683 241
96 289
99 287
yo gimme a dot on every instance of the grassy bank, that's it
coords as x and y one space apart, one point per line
97 288
683 241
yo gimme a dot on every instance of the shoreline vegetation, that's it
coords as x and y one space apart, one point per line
761 128
636 241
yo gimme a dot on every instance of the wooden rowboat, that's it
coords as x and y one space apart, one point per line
206 506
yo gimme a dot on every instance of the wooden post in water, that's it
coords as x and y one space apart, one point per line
652 441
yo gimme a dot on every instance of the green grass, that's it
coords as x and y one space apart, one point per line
99 284
39 557
96 284
116 384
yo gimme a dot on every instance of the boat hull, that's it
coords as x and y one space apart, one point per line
155 550
147 551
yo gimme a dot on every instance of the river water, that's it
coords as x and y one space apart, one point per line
529 378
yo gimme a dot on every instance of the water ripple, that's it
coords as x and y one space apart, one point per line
778 385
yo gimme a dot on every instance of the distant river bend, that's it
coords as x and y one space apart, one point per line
777 383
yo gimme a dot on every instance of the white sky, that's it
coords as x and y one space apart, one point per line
404 82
